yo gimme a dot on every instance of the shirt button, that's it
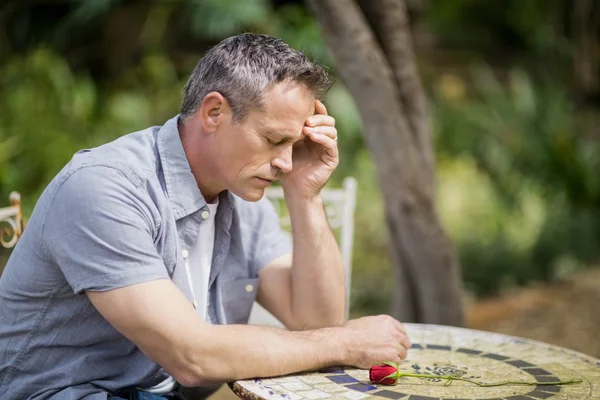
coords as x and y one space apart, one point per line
195 304
249 288
185 253
205 214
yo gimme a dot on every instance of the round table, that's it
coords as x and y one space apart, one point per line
441 350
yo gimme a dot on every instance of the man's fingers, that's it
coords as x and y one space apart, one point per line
318 119
405 342
329 131
402 328
397 359
402 353
320 108
328 143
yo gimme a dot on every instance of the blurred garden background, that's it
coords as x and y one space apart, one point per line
514 99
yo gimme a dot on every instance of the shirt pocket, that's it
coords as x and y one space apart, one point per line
238 297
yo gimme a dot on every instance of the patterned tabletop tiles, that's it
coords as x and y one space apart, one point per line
440 350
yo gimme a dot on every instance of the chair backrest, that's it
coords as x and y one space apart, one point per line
339 204
11 221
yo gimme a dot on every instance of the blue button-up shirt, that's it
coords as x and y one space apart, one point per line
118 215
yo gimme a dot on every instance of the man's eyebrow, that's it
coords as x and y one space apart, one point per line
281 137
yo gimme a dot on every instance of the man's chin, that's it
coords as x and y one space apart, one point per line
250 194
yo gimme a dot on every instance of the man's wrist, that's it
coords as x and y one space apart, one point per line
336 345
296 199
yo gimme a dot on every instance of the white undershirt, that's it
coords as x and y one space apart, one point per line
198 261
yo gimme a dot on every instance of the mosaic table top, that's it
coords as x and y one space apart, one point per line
440 350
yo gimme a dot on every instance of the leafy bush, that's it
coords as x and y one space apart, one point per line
529 193
47 113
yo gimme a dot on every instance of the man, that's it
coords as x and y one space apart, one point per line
142 258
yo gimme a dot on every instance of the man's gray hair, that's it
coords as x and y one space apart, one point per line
242 68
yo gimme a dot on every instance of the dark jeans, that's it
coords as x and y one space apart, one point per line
182 393
135 394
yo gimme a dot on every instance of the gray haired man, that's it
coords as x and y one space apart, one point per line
142 258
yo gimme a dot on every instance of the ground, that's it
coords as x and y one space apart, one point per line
565 313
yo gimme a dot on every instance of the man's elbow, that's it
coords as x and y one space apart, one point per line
192 368
193 375
318 320
188 378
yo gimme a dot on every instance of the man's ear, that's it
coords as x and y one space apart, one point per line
214 112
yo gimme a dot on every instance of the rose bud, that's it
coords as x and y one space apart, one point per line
386 374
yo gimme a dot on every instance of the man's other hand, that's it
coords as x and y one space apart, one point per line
372 340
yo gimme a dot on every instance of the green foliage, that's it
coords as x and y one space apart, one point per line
216 19
487 26
526 181
83 13
47 113
296 26
44 114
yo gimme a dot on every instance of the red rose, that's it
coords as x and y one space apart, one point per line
386 374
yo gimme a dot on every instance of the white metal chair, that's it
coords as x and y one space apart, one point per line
11 221
340 204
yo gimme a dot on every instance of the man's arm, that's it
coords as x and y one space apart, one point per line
162 323
306 290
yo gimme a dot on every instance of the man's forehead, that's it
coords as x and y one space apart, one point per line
289 100
282 124
286 108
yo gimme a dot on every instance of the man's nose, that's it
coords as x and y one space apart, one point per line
283 160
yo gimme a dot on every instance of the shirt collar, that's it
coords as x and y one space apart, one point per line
182 188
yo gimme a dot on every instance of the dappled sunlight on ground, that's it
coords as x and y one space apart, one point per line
564 313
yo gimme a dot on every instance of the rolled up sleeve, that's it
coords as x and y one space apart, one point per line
100 230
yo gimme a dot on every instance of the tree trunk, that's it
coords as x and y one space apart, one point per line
585 58
372 49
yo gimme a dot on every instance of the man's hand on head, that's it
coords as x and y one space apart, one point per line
314 158
316 277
